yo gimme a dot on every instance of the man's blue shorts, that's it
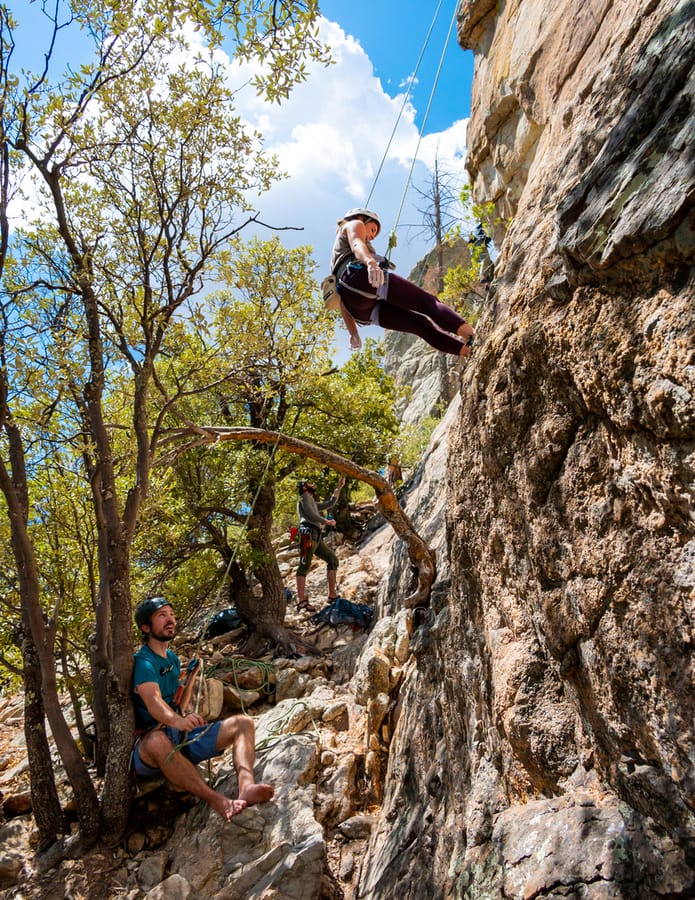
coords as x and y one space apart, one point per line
197 745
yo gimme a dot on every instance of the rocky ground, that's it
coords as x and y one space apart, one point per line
320 737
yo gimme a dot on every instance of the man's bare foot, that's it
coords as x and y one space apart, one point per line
257 793
226 807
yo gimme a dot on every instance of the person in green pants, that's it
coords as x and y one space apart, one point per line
311 526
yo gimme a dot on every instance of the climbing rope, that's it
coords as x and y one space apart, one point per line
411 82
392 236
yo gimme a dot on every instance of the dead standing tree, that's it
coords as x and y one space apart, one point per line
421 556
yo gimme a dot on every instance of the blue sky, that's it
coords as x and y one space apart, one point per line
393 34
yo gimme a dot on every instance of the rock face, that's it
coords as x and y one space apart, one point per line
546 740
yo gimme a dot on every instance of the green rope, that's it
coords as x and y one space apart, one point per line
277 736
392 236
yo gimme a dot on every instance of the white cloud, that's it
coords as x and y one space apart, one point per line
448 146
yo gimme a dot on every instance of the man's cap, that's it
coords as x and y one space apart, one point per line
145 610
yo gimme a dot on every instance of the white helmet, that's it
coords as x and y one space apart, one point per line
367 213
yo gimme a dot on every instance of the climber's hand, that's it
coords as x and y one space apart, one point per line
375 274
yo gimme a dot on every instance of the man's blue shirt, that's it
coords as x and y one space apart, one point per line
149 666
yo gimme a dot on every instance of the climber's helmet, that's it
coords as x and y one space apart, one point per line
367 215
145 610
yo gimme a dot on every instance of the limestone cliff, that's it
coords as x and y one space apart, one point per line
534 736
545 743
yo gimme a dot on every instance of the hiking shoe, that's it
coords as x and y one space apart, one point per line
306 606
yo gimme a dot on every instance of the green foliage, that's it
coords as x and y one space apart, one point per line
459 281
413 440
10 612
64 538
260 358
280 34
480 212
277 33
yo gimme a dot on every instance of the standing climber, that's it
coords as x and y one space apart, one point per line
311 526
171 743
371 294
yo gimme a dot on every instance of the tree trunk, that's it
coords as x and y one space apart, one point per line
85 738
446 385
83 790
43 636
114 626
117 782
99 645
48 815
272 606
240 593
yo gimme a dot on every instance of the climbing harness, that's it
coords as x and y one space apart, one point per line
306 542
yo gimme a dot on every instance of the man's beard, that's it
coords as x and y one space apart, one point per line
161 635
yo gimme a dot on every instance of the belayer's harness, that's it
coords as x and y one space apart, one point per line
306 541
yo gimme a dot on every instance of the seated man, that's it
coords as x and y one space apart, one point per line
162 728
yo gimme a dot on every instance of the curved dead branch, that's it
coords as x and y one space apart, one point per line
421 556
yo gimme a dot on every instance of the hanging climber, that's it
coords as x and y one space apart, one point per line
170 743
371 294
311 526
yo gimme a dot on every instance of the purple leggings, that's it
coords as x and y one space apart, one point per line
406 308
